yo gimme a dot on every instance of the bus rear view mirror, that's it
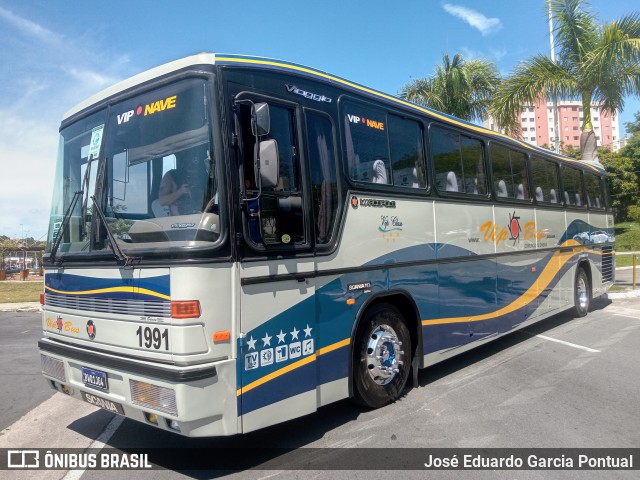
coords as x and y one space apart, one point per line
269 163
261 123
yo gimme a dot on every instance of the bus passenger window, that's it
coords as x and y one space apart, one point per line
594 190
407 158
509 169
459 162
367 144
572 182
544 175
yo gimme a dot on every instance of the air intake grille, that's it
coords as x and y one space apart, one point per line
148 308
607 264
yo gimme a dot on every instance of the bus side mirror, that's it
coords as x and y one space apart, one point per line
260 121
269 163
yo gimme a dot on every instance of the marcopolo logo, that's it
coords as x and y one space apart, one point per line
372 202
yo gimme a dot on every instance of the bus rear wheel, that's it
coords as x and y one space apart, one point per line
581 293
382 357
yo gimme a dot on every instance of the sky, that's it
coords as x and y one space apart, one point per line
54 54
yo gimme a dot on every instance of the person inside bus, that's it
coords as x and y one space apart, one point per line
182 188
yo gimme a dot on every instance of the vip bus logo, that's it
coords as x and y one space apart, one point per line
367 122
149 109
514 227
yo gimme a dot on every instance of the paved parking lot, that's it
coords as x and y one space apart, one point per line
560 383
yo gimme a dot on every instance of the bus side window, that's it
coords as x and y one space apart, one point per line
458 161
510 176
407 158
594 190
545 180
324 186
572 183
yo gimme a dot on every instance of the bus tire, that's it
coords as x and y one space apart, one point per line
382 356
581 293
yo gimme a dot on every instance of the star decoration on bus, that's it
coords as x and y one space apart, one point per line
281 337
307 331
266 340
294 333
252 343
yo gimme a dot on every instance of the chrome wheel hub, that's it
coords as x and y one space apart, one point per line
384 356
583 294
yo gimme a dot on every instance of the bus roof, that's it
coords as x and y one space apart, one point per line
301 70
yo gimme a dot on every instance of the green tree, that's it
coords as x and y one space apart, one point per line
6 245
623 181
596 62
460 88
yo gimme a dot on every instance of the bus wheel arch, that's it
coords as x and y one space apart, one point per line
582 289
385 343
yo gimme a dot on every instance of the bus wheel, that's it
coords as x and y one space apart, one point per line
581 293
383 357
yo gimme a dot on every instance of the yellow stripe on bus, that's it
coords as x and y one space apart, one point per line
143 291
542 282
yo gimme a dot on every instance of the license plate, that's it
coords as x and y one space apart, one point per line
109 405
95 379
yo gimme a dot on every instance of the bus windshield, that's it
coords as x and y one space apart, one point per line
147 165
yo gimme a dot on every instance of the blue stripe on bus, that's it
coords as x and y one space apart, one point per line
295 382
459 289
152 288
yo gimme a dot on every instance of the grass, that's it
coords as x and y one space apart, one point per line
627 240
18 291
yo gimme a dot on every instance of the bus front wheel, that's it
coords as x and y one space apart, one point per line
382 357
581 293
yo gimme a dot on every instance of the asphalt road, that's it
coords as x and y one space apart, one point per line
524 390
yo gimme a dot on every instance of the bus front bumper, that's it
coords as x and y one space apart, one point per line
196 401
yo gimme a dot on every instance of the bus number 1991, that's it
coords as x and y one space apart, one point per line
153 337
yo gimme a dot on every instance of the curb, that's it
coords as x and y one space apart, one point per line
627 294
20 307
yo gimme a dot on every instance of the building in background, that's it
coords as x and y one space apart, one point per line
536 123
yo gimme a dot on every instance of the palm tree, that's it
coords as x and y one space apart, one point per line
459 88
598 63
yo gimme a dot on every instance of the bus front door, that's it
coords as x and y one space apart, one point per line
276 358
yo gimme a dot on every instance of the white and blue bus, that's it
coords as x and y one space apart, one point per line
237 241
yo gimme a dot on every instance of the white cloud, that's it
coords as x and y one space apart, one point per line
473 18
45 73
30 29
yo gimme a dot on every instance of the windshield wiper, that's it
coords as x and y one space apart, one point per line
121 257
63 227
